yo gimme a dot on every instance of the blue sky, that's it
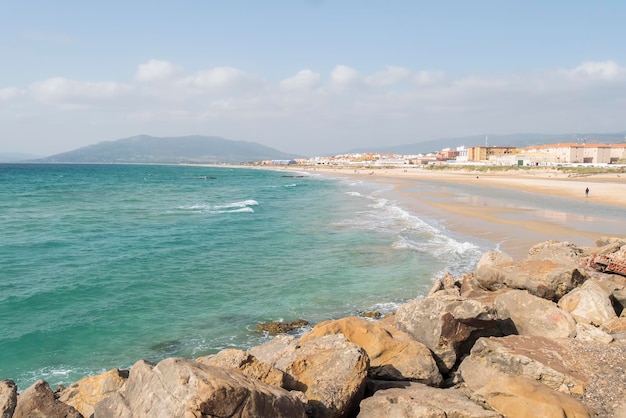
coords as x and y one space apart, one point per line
307 76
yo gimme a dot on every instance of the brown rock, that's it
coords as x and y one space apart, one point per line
587 332
533 315
86 393
603 241
487 275
277 327
446 284
8 398
542 277
615 326
471 289
420 401
536 358
184 388
589 304
38 401
493 259
490 277
393 354
330 370
247 364
524 398
448 325
372 314
557 251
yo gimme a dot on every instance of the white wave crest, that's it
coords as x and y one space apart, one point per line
357 194
243 206
410 232
241 210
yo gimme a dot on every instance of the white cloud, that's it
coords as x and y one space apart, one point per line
156 70
220 79
394 76
9 93
70 92
343 76
313 112
428 77
303 80
391 76
589 70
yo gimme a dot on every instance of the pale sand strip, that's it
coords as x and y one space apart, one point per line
499 224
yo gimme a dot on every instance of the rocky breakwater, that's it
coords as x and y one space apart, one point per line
541 337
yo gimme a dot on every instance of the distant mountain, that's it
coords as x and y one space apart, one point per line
184 149
516 140
13 157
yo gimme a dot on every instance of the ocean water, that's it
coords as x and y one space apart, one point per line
103 265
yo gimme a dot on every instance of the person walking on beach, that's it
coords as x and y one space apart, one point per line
587 192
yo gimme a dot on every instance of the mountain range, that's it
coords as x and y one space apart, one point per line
212 149
184 149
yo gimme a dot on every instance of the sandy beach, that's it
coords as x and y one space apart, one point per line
515 209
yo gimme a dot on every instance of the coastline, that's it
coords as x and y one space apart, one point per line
591 350
480 204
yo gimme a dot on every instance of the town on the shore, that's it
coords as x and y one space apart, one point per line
560 154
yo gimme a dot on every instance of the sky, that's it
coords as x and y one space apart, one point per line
310 77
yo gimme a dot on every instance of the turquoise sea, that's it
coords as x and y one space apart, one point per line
102 265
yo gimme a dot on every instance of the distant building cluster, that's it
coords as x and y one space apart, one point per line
536 155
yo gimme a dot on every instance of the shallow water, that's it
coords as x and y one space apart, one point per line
102 265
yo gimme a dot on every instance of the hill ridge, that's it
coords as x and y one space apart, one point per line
180 149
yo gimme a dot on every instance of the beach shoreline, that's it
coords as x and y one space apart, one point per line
450 198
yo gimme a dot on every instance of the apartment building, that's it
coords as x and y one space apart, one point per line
484 153
618 152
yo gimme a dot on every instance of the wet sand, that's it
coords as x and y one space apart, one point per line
513 209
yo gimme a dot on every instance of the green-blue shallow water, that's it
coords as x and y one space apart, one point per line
102 265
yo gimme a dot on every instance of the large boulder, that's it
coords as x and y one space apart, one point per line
487 275
38 401
420 401
533 315
493 259
178 387
491 277
393 354
8 398
86 393
542 277
247 364
521 397
448 325
330 370
557 251
589 304
536 358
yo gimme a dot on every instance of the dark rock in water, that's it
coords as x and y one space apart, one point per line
277 327
371 314
168 348
297 177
